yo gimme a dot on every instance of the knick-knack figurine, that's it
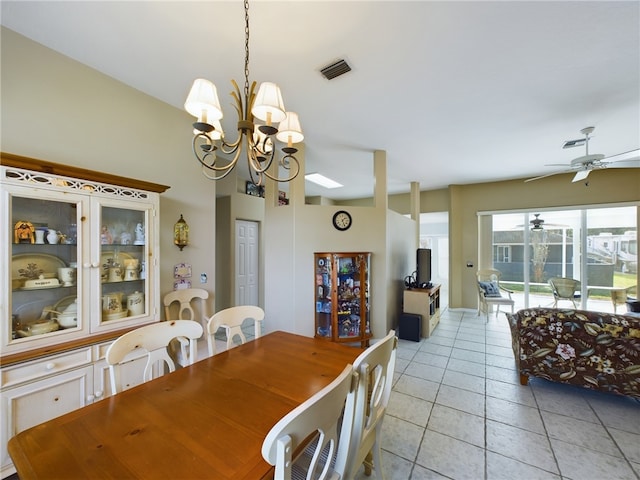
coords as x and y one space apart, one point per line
105 236
139 235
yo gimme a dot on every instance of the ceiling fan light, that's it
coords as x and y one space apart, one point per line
268 105
202 101
289 130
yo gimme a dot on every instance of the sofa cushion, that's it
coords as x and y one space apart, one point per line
490 289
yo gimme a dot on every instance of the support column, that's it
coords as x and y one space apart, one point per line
380 197
415 208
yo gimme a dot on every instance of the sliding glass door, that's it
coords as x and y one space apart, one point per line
597 247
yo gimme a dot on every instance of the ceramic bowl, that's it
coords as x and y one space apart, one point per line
39 328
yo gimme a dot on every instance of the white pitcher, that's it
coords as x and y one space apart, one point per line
52 236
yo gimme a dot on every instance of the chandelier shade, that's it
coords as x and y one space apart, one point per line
289 130
268 105
257 140
202 101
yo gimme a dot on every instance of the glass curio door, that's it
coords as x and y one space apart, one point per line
323 295
44 250
122 247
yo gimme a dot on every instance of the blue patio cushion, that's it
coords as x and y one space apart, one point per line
490 289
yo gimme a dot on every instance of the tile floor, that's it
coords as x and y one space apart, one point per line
457 411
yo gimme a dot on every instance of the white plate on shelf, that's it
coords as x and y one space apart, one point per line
49 265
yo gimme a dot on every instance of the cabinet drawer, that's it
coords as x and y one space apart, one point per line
44 367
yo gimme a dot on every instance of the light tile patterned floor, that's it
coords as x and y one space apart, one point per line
458 411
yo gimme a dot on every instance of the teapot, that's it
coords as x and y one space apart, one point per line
68 318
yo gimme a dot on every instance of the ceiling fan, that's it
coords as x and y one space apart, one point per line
582 166
536 223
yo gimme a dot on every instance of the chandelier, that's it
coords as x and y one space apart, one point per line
257 114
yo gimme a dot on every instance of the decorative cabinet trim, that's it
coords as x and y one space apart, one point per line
50 171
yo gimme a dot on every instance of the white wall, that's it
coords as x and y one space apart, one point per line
401 261
295 232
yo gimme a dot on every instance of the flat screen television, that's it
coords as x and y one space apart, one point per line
423 267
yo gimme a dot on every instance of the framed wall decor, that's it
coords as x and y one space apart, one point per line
254 190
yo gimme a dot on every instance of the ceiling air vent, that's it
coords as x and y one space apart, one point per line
335 69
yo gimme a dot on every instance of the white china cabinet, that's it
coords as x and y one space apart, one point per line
79 267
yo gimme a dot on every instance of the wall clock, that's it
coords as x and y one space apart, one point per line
342 220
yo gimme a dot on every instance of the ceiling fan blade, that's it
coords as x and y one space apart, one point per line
547 175
581 175
631 155
631 163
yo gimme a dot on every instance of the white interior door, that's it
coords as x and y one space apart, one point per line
247 262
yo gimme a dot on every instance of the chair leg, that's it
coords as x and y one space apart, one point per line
368 461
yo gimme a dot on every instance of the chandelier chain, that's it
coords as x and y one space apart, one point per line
246 48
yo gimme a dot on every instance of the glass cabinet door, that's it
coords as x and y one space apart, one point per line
123 242
44 250
349 296
323 295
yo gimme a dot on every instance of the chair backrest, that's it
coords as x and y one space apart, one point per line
564 287
489 275
488 283
231 320
154 339
186 298
320 416
376 366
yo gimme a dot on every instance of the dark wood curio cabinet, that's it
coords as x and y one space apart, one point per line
342 297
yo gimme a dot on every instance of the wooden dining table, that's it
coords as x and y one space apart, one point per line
204 421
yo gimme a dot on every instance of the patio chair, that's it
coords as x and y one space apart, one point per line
490 292
564 289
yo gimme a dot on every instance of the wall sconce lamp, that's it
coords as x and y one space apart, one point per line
181 233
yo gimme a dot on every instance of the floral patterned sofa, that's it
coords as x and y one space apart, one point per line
595 350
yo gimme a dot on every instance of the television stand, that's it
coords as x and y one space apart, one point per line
424 302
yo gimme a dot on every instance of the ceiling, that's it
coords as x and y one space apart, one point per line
455 92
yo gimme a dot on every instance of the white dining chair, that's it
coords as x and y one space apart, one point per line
231 320
318 419
375 367
187 298
154 339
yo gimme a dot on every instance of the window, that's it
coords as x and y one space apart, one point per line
596 246
502 253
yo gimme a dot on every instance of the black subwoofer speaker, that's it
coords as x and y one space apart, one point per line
410 327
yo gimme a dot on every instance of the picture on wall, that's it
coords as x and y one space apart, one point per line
254 190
